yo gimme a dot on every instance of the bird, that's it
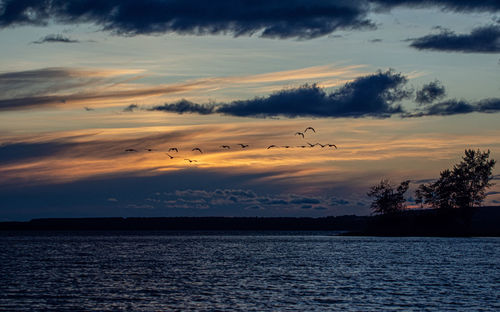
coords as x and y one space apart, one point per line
271 146
243 145
130 150
301 146
173 149
310 128
148 149
190 160
225 146
311 145
286 146
171 157
322 145
300 133
332 145
197 149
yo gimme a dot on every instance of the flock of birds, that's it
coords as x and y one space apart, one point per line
171 150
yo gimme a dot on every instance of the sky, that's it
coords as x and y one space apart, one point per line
399 89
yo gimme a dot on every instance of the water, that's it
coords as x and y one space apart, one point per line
165 272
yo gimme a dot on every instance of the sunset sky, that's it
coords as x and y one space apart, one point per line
401 87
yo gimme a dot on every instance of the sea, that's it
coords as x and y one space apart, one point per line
246 271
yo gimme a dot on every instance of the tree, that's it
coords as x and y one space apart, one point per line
462 187
388 200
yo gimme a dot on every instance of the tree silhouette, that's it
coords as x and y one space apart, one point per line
388 200
462 187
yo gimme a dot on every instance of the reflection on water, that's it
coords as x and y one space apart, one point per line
247 273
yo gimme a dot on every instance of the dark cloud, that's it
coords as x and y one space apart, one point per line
55 38
303 19
336 202
185 106
481 40
456 107
374 95
430 92
463 6
272 18
131 108
305 200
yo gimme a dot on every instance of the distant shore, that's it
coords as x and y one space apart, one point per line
484 222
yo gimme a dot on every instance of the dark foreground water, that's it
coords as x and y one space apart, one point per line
163 272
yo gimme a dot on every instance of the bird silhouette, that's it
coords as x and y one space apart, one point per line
243 145
332 145
148 149
190 160
197 149
322 145
311 145
286 146
300 133
173 149
301 146
310 128
130 150
171 157
225 146
271 146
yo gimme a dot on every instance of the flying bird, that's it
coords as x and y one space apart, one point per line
171 157
310 128
301 146
300 133
271 146
225 146
286 146
190 160
311 145
332 145
197 149
173 149
243 145
148 149
322 145
130 150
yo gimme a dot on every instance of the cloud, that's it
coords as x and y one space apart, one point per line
430 92
374 95
272 19
248 199
463 6
131 108
185 106
49 87
484 39
302 19
455 107
55 38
